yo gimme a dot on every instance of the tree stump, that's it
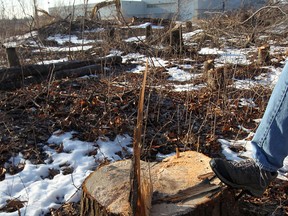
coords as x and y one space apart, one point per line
189 26
264 54
181 186
111 34
148 32
12 57
208 65
176 39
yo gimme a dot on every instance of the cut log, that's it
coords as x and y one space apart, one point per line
181 186
11 78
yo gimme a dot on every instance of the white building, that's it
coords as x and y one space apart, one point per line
172 9
183 9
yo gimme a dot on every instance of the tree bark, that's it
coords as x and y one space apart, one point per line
181 186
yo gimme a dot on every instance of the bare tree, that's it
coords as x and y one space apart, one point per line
2 10
36 17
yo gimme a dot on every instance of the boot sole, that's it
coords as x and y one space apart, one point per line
251 191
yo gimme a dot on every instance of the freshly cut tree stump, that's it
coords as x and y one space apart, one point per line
181 186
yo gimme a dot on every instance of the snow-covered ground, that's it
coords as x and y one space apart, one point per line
40 193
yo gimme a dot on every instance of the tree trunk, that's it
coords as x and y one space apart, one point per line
181 186
11 78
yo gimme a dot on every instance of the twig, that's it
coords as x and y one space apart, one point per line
259 10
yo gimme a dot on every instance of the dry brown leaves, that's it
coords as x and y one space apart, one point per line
107 106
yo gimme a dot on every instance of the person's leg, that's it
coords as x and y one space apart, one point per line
270 141
271 137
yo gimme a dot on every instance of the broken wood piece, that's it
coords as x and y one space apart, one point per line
177 190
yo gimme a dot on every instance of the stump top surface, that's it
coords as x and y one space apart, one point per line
110 184
174 174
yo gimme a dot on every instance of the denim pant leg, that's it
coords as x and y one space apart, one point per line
271 137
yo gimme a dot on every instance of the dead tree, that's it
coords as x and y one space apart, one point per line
36 17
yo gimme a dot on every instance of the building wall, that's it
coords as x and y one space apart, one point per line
149 8
133 8
187 9
172 9
206 7
235 4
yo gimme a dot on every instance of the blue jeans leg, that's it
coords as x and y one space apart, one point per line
271 137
